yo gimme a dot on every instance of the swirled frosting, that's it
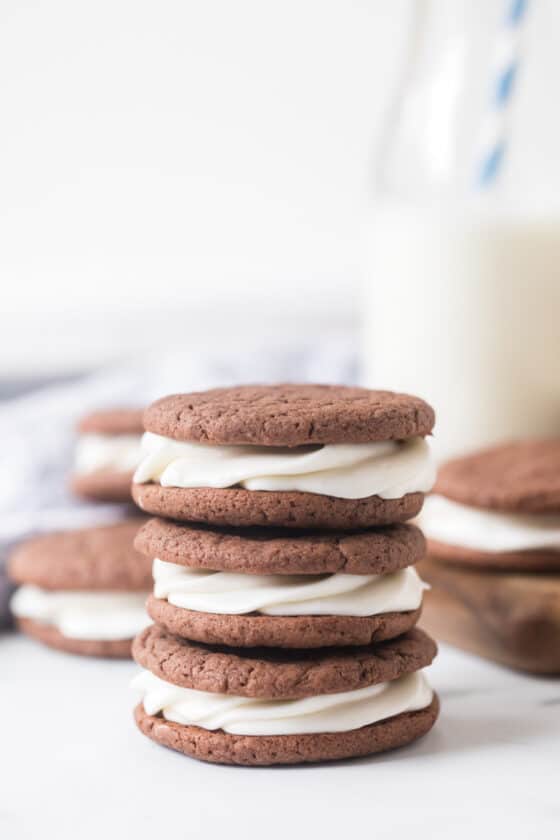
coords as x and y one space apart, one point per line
337 594
389 469
83 615
252 716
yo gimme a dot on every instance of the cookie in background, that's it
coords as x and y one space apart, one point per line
82 591
493 531
107 453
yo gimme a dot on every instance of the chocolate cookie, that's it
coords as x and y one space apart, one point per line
283 552
289 415
541 560
253 630
108 483
102 486
82 591
99 558
237 507
322 683
521 476
222 748
348 486
50 636
275 673
112 421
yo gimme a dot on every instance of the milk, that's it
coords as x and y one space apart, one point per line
463 308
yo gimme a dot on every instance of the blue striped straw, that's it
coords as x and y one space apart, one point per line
507 64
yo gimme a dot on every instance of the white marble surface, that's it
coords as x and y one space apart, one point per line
73 765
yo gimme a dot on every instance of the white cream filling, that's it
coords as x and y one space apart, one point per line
227 593
389 469
84 615
458 525
248 716
121 453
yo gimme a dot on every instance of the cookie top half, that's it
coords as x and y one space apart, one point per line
100 558
289 415
519 476
276 673
265 551
113 421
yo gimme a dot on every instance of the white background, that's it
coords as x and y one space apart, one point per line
76 767
178 169
159 157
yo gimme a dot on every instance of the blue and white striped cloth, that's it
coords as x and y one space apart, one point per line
38 437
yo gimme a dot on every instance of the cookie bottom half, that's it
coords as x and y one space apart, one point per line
103 486
302 631
238 507
220 747
531 560
49 635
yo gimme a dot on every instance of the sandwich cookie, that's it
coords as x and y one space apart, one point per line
107 453
282 707
499 508
297 456
82 591
285 588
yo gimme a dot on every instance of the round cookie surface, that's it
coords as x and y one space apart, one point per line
289 415
237 507
99 558
113 421
222 748
265 552
521 476
305 631
275 673
48 635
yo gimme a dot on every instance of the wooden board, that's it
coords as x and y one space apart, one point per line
511 618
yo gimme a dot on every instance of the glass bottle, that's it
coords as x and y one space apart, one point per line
462 297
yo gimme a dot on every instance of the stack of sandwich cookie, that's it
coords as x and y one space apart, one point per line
107 453
260 565
82 591
493 529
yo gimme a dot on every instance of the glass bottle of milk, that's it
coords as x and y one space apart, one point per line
463 272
